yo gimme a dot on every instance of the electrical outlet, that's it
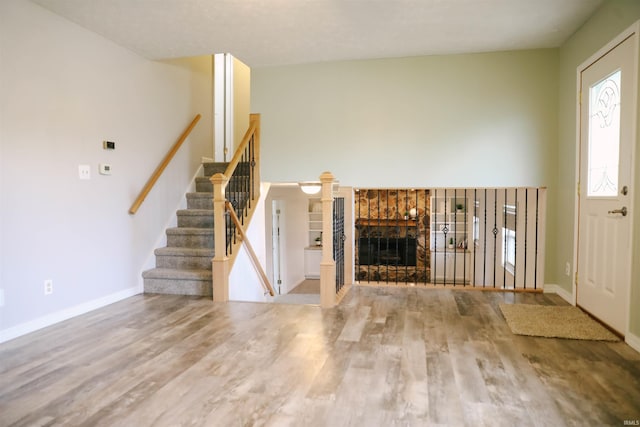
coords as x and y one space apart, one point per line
48 287
567 269
84 171
1 297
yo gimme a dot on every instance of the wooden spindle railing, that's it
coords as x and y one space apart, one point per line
239 187
162 166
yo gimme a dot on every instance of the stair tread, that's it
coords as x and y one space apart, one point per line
200 195
184 251
189 230
184 264
180 274
195 212
208 179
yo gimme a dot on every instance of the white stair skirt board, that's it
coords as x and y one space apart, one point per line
68 313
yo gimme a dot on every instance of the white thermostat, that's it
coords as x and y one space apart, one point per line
105 169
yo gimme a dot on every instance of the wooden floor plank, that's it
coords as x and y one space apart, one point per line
384 356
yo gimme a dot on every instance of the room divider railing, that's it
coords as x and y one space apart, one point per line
489 238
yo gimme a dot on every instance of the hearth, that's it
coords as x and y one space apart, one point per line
387 251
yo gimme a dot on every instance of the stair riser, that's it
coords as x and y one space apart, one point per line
204 186
178 287
183 262
207 202
211 169
190 241
199 221
200 203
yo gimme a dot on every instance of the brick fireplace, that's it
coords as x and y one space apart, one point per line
392 231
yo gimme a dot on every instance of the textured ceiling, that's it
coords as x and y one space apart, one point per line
279 32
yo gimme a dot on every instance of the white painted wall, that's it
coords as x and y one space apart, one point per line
293 233
244 282
63 90
241 102
232 104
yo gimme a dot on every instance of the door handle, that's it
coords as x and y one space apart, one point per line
622 211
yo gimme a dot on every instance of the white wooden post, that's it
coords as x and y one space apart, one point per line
220 262
327 265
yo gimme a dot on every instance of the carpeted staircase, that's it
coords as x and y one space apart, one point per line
183 267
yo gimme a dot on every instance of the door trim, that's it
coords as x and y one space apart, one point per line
634 28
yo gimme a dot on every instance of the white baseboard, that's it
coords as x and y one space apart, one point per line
633 341
68 313
560 291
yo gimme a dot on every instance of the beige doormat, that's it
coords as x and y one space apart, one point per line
554 322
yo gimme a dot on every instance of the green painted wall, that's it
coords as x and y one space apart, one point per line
611 19
458 120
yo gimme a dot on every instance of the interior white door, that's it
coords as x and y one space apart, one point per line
607 130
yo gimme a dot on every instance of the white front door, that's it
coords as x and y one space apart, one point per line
607 132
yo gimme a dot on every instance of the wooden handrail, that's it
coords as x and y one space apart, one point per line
254 258
253 124
162 166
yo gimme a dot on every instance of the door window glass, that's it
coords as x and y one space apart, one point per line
604 137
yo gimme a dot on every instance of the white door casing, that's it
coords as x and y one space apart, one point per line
608 88
276 247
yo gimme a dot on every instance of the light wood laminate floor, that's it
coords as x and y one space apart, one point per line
384 357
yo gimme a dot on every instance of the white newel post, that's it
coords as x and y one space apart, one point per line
220 262
327 265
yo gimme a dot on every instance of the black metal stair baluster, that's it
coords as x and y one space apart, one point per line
427 228
434 215
406 237
484 238
446 241
396 229
504 241
526 232
535 280
515 239
474 236
369 237
455 234
495 233
357 232
465 239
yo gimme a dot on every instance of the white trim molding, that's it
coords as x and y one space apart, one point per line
62 315
633 341
560 291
